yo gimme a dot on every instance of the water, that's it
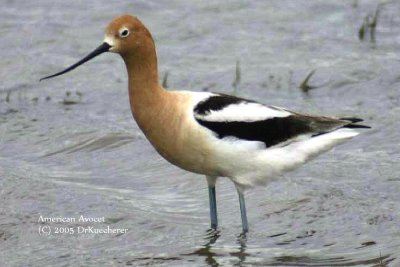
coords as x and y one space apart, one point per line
69 146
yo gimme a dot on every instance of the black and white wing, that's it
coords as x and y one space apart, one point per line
229 116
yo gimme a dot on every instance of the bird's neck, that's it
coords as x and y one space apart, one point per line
145 92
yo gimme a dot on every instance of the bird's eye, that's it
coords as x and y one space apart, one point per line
124 32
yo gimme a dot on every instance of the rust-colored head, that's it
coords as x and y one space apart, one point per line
125 35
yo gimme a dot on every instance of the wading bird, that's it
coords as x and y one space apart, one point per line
213 134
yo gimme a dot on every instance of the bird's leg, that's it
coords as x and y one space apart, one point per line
245 224
213 207
213 201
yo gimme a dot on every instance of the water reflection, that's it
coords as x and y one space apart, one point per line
329 261
208 250
242 255
211 237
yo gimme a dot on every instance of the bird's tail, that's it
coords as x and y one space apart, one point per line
354 122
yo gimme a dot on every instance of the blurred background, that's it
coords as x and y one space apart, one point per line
69 146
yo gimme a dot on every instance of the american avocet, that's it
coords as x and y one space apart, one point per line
213 134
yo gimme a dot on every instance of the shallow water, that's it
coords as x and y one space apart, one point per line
69 147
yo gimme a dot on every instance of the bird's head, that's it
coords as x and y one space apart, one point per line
125 35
